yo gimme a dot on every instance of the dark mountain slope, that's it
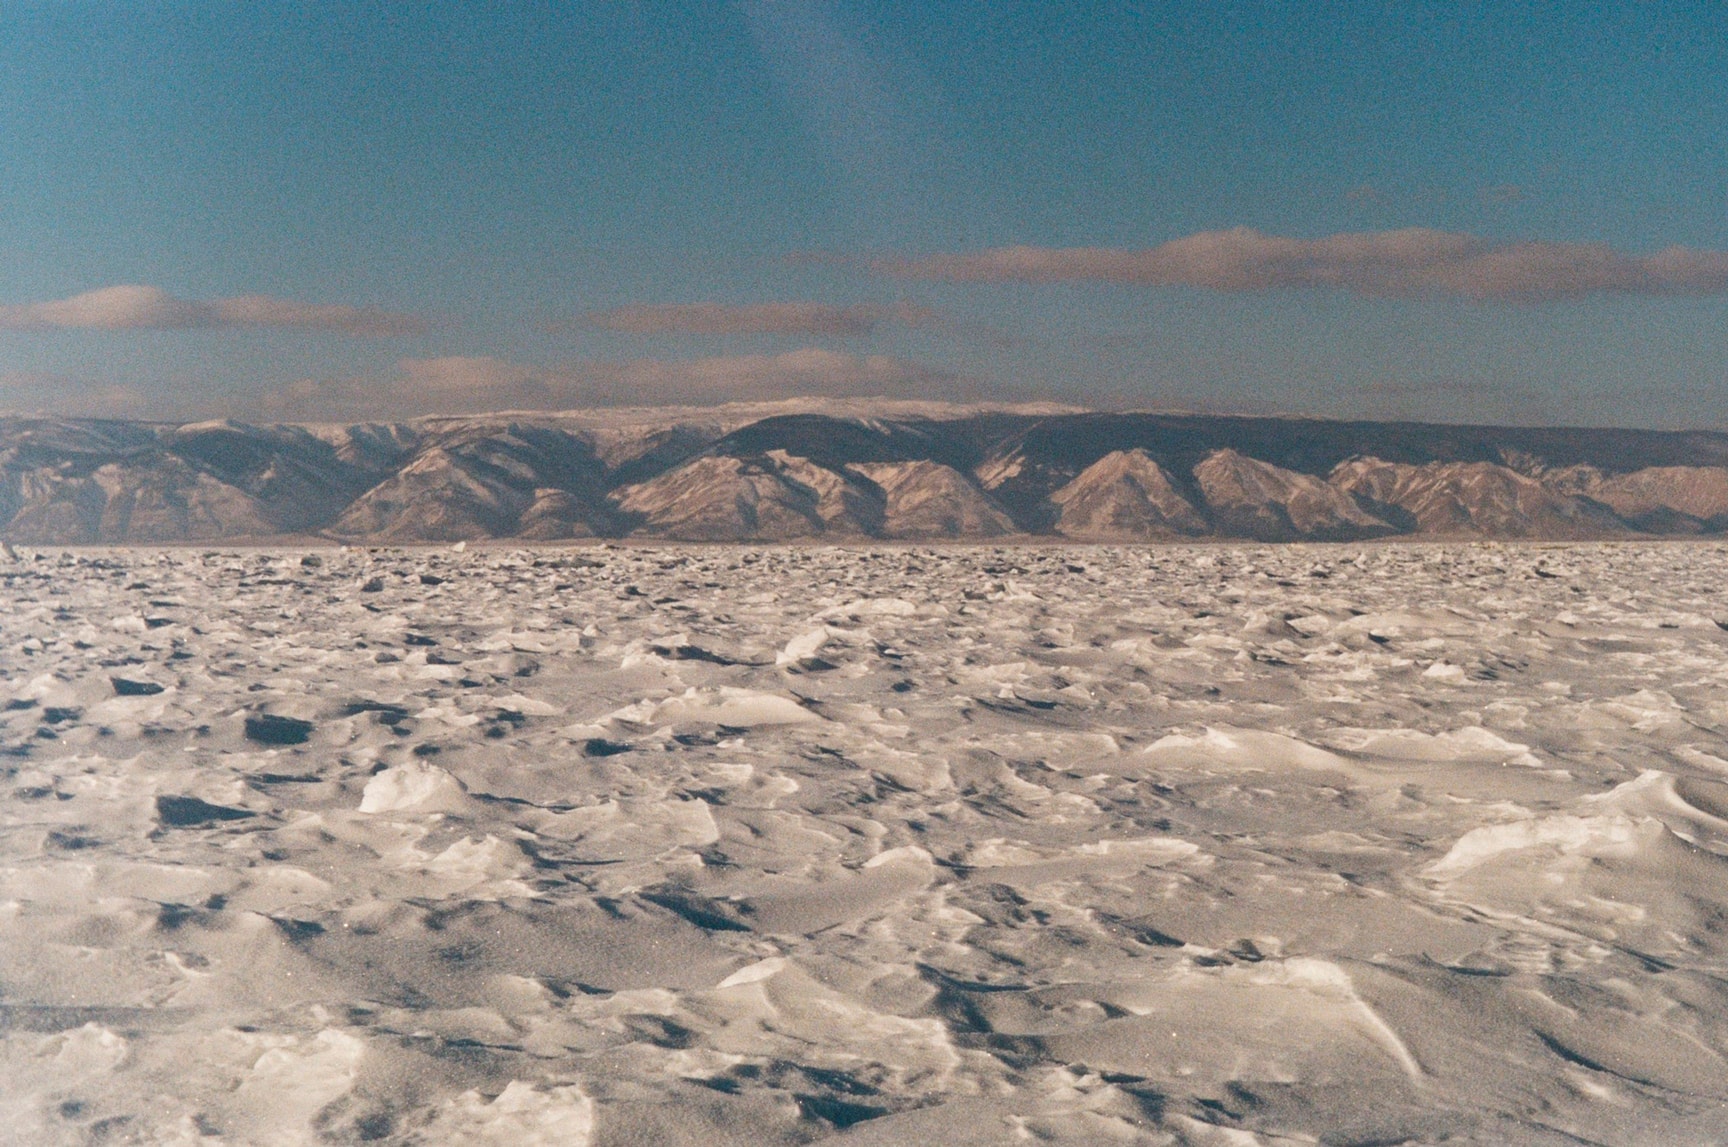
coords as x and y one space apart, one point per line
885 470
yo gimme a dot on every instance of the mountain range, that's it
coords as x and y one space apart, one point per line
814 469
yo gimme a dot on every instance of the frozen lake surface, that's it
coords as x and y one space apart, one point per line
1210 844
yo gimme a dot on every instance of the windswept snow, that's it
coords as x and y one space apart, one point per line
1357 843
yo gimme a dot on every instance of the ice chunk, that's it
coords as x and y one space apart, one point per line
1594 836
803 646
296 1076
869 607
754 973
91 1048
1471 743
734 708
522 1115
415 785
469 862
1222 746
634 830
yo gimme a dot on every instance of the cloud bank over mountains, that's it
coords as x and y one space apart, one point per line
792 352
792 318
461 384
1407 263
133 307
1412 262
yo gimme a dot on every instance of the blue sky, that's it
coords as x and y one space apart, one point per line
1460 212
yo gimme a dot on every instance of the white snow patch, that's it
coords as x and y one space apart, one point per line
413 786
736 708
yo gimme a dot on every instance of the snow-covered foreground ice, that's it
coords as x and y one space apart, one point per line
1211 845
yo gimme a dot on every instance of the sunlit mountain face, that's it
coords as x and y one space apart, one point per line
890 471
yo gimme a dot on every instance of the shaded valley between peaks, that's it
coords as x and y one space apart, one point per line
860 470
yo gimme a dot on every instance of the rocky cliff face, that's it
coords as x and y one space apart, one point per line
894 471
1123 496
1475 499
1663 499
88 481
723 498
483 480
924 499
1255 499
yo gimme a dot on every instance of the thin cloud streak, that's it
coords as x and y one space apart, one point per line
135 307
457 384
1407 263
25 393
811 319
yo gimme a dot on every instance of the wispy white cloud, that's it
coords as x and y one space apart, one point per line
15 381
33 392
812 319
808 370
1407 263
152 308
463 384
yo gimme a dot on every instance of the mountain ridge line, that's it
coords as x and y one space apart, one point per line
836 470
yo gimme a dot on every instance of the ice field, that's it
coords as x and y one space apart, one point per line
1212 844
